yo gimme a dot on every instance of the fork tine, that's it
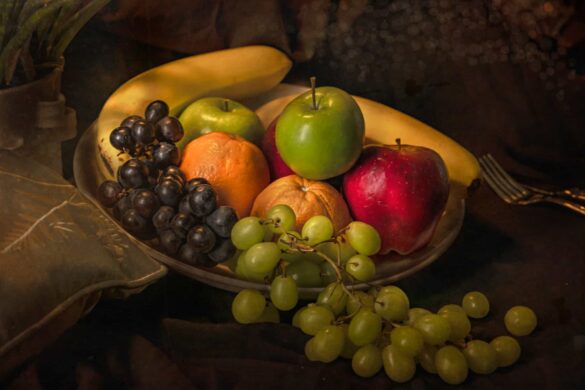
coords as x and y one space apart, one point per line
513 192
506 176
487 175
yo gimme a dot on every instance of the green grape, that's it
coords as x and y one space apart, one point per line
407 340
367 361
364 327
391 306
520 320
357 300
314 318
310 350
393 289
270 314
296 320
349 348
398 366
451 365
284 293
334 297
248 306
481 357
283 218
361 268
363 238
317 229
305 273
328 274
475 304
247 232
340 250
328 343
414 313
460 325
262 257
426 358
451 307
507 350
434 328
246 274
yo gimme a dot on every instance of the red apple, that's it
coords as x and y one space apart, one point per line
402 191
278 167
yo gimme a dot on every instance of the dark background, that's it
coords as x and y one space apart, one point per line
468 68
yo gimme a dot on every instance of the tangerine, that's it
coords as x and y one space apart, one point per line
235 168
306 197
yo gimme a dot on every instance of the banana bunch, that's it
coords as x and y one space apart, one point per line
233 73
385 124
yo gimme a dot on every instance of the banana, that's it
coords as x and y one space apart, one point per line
385 124
233 73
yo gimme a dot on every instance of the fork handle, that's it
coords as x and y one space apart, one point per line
570 205
574 193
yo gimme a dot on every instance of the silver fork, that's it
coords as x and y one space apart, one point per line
513 192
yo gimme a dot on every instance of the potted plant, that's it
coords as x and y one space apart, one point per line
33 37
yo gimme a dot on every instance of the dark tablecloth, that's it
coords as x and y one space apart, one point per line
179 333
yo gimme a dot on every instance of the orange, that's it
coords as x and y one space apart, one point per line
306 197
235 168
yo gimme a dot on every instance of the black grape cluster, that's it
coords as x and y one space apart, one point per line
153 200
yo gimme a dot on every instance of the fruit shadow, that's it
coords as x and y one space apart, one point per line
478 244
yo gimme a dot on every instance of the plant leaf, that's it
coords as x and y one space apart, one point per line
24 32
72 27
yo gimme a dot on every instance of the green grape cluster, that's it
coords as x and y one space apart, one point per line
378 329
314 257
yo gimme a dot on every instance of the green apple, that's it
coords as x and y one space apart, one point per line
320 136
218 114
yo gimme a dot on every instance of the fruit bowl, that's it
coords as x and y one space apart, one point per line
390 268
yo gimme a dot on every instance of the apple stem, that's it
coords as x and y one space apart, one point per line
313 84
398 143
225 105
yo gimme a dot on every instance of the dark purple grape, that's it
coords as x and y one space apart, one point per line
173 170
133 174
121 206
156 111
146 203
109 193
121 139
184 205
129 121
189 256
223 250
170 242
143 132
222 220
201 238
181 224
191 184
163 217
203 200
169 192
133 222
165 154
169 129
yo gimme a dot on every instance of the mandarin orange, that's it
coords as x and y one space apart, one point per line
235 168
306 197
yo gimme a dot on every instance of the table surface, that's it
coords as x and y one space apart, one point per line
179 333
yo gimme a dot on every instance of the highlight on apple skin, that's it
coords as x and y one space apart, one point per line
402 191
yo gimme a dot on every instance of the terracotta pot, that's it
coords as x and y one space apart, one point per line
19 108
